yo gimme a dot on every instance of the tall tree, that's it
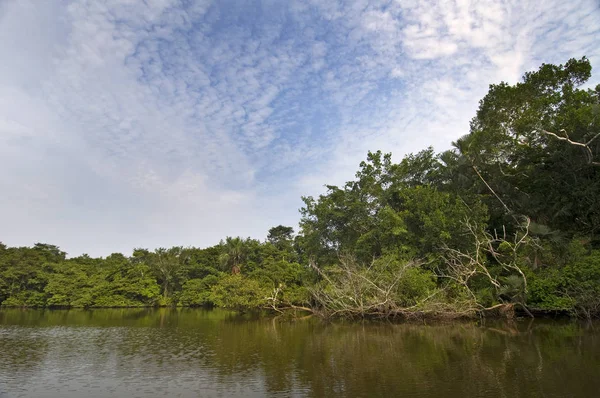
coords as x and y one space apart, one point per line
235 254
168 265
534 149
281 236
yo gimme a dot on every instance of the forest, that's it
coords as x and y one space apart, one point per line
505 222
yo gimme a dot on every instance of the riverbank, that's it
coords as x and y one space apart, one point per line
498 312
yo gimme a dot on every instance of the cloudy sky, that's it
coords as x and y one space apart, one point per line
130 123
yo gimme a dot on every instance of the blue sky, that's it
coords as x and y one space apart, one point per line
129 123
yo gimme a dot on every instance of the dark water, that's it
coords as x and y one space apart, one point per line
198 353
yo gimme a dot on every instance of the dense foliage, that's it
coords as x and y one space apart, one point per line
509 218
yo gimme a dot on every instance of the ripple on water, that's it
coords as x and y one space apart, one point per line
195 353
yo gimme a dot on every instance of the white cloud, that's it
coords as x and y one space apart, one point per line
445 54
126 123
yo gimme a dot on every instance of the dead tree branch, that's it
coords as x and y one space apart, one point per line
585 146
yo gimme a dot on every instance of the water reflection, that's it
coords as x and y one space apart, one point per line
189 353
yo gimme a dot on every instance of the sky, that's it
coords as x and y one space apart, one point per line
158 123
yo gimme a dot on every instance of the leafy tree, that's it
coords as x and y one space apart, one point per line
280 236
167 266
534 148
388 209
24 274
203 262
197 292
126 283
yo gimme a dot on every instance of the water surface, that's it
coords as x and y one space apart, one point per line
201 353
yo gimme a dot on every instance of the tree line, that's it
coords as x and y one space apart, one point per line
506 220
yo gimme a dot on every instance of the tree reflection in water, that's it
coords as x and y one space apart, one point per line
186 352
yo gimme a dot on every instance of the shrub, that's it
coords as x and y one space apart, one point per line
197 292
238 293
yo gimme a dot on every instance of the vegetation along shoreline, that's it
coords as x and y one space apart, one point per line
504 224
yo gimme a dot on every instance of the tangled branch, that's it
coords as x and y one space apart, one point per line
462 267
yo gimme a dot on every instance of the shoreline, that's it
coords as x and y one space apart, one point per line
510 313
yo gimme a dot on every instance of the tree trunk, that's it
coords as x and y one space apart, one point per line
165 292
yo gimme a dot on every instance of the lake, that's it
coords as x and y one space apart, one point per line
204 353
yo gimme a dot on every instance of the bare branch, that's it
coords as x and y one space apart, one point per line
462 266
491 190
586 146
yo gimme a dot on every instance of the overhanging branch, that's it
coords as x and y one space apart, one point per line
586 146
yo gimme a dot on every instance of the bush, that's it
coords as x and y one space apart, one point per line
574 287
547 291
26 299
582 284
289 277
416 284
197 292
238 293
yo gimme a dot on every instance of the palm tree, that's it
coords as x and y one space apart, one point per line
235 254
